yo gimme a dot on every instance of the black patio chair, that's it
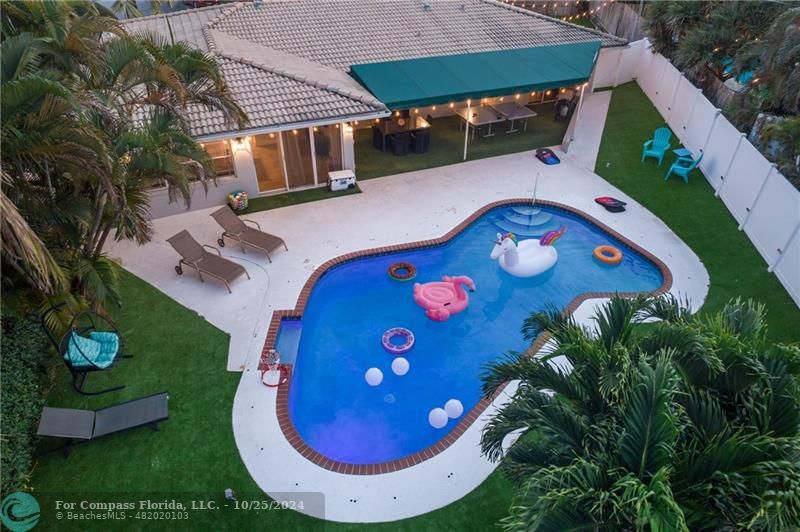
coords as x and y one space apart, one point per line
421 140
378 139
91 343
400 143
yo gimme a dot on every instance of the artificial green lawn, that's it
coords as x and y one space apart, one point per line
195 456
691 211
266 203
447 144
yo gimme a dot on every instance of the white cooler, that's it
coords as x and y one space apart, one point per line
341 180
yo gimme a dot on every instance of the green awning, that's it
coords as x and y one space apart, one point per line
451 78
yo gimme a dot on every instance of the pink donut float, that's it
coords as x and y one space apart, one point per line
398 349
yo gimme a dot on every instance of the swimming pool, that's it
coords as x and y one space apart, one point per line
342 419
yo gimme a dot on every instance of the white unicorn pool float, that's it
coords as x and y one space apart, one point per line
526 258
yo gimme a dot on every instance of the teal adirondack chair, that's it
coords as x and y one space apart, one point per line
658 146
682 166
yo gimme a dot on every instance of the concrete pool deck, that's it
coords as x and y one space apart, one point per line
392 210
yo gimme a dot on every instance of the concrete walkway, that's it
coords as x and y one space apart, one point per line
394 209
589 130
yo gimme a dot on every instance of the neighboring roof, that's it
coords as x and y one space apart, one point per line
436 80
286 62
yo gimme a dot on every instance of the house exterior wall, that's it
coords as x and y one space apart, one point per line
245 178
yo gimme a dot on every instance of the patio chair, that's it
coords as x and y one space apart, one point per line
91 343
195 256
85 425
235 228
400 143
683 166
378 139
657 147
421 141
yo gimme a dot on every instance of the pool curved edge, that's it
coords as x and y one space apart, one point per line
282 400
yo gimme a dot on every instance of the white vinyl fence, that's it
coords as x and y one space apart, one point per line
759 197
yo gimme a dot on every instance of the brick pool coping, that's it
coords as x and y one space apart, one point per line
282 403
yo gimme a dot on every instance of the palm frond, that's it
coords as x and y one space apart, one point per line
650 431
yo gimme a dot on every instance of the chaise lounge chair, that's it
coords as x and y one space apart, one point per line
236 229
195 256
85 425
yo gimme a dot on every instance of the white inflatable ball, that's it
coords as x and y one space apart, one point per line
437 418
373 376
454 408
400 366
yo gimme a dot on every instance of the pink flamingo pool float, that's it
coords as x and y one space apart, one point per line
443 299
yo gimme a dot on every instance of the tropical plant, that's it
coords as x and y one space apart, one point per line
787 134
775 58
685 424
91 116
131 9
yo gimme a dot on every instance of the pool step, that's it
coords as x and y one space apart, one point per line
526 210
529 219
524 230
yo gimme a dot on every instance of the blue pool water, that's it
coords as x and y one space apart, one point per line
350 307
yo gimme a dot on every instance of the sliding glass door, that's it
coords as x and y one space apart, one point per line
286 160
327 151
297 153
268 162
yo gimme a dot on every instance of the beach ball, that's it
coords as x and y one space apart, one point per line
454 408
400 366
437 418
373 376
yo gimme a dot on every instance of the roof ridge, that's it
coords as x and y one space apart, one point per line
277 70
534 14
221 7
208 26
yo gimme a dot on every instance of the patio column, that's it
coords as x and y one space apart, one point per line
466 127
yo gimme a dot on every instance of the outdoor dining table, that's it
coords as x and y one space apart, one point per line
400 125
483 115
514 111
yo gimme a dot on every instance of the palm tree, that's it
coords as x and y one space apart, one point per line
686 424
775 57
88 122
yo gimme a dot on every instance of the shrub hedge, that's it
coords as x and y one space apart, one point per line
25 355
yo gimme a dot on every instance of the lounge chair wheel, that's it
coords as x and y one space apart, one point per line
221 242
178 270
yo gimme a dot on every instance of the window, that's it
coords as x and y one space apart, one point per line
221 157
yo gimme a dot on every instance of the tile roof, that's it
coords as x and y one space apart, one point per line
272 100
286 61
186 25
339 33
